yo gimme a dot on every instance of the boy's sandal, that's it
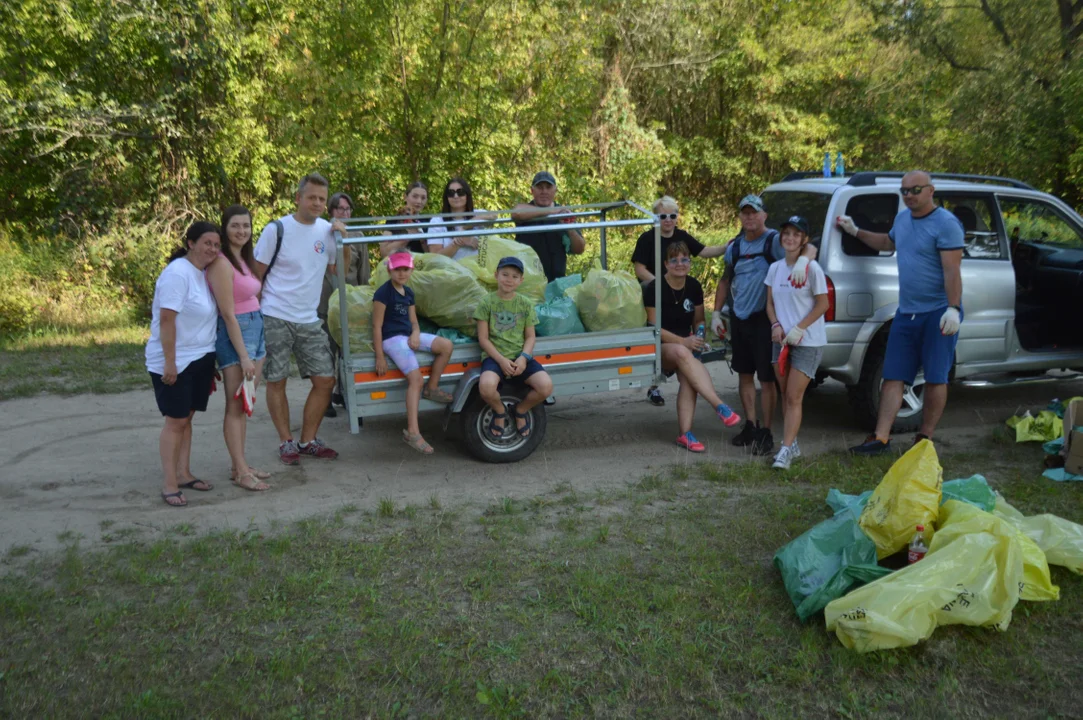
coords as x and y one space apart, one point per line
417 442
497 433
438 395
525 430
181 502
196 485
253 482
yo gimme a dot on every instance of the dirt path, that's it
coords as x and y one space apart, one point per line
88 465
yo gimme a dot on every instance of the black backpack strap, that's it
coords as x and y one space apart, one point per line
278 247
769 247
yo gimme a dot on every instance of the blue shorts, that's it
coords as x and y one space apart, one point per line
252 332
915 341
533 367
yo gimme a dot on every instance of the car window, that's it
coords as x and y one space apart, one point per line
976 213
874 212
783 204
1034 221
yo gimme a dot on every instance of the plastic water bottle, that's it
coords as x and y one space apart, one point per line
918 548
827 164
840 169
701 333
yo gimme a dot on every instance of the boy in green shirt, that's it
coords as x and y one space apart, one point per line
506 323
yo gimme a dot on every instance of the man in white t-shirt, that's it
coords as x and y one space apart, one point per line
292 281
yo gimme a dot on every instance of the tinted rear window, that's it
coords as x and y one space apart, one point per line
782 204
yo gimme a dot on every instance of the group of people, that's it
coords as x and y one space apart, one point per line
222 305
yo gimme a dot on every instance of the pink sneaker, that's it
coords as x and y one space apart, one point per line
727 416
688 442
287 453
317 449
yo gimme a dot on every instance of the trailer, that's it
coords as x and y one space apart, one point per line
588 362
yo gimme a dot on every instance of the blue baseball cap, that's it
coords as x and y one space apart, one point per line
511 261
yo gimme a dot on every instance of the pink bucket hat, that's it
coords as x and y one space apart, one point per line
400 260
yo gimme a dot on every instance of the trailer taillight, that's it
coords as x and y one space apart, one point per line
829 316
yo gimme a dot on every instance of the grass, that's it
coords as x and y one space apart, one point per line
658 600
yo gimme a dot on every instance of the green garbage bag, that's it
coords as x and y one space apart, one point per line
491 249
1047 426
558 315
559 287
358 317
445 292
974 490
609 300
456 337
839 501
826 561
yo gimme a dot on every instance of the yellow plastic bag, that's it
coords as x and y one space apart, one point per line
491 249
967 578
358 317
609 300
909 495
1047 426
444 291
1061 540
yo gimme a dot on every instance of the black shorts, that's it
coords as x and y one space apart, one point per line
751 341
533 367
190 392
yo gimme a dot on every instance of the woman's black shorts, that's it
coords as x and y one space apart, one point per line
191 391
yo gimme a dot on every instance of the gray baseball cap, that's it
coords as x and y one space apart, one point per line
543 177
752 201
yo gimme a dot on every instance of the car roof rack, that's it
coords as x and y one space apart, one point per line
861 179
807 175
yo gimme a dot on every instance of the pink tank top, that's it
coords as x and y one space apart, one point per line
246 288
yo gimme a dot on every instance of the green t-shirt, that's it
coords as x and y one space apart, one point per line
507 320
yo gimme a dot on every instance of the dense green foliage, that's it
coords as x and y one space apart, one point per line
121 121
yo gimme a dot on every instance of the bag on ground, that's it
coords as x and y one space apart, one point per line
909 495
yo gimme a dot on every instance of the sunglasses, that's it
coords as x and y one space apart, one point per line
679 261
457 192
913 190
668 216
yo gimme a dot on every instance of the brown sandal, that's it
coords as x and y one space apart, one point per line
437 395
260 474
417 442
254 484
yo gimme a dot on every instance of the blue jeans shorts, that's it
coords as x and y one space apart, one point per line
915 341
533 367
252 332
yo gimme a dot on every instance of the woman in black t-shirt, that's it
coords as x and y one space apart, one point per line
682 313
666 209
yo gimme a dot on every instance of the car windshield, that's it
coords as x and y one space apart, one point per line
783 204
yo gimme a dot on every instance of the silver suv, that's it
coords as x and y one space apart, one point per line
1022 279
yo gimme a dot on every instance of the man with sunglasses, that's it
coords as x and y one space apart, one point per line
928 243
550 246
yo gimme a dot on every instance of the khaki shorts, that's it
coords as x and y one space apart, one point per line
308 344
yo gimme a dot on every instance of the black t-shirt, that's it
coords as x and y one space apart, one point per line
644 252
548 245
397 313
678 306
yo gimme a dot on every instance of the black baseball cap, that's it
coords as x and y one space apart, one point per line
798 222
543 177
511 261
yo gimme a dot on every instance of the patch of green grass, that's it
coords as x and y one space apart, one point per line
658 600
18 551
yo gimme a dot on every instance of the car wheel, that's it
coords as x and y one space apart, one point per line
474 424
865 395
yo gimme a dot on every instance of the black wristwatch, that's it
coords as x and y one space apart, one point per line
956 307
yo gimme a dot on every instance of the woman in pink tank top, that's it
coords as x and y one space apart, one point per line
240 346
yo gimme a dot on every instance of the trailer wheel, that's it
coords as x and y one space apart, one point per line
474 424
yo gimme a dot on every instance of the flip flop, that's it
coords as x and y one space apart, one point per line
260 474
525 430
207 487
254 485
178 494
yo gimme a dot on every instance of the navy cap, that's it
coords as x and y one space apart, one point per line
752 201
543 176
511 261
798 222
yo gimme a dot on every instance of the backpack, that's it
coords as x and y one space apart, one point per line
767 254
278 248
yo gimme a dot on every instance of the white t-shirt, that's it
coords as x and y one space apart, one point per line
183 288
793 304
291 290
436 227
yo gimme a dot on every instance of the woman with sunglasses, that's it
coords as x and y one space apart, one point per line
417 197
458 198
682 312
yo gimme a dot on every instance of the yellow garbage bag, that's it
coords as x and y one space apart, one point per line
444 291
491 249
358 317
1047 426
1061 540
909 495
609 300
959 518
969 578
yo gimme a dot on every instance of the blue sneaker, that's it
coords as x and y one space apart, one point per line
872 446
727 416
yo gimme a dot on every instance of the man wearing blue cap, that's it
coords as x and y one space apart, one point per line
550 246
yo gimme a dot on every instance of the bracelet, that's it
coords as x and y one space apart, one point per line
528 356
775 325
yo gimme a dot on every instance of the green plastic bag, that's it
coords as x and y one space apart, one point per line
826 561
491 249
445 292
1047 426
456 337
974 490
358 317
558 315
839 501
609 300
559 287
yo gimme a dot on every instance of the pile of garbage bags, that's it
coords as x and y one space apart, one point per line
984 557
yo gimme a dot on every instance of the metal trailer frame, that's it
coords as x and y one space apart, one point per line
503 217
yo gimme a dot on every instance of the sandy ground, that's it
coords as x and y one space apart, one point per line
88 465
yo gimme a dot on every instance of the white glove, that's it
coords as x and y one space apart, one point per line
800 272
846 224
793 337
950 321
717 324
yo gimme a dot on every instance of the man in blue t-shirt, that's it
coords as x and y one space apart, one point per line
929 242
750 331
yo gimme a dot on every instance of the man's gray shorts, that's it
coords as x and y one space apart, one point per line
805 359
308 344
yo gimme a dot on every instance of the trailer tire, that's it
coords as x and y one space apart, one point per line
474 424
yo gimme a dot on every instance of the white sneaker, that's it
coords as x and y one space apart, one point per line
795 450
783 458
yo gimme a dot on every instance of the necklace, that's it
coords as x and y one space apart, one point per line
678 300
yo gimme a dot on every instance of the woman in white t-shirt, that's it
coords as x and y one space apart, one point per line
180 353
458 198
797 323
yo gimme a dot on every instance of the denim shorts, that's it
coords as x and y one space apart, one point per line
252 332
802 358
